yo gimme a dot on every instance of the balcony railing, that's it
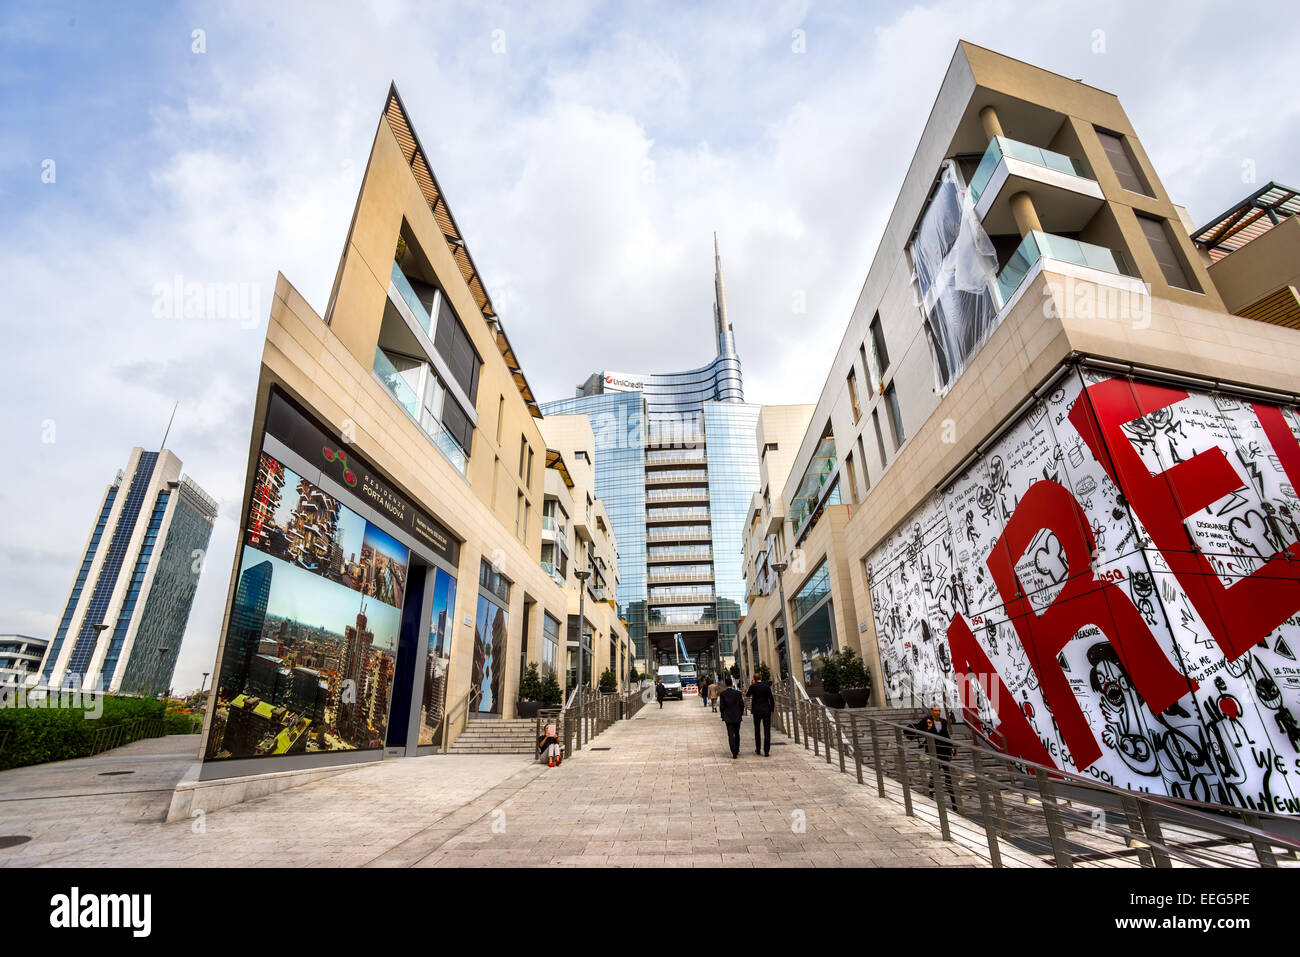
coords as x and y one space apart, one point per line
683 624
1038 245
1001 146
694 596
674 555
676 514
405 396
407 292
656 496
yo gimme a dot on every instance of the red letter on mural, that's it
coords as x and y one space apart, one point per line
1083 601
1256 604
969 661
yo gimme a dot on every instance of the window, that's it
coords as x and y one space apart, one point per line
880 436
501 414
853 396
550 645
528 514
453 343
581 456
1121 161
866 366
519 511
528 479
879 354
895 416
1162 247
866 475
853 479
523 454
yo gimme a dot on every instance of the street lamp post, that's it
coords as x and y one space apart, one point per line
582 577
779 568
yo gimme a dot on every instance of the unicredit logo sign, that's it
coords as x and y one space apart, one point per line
623 382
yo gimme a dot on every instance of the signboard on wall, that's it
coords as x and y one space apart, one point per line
1119 574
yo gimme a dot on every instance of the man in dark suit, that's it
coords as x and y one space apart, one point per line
936 724
762 705
732 705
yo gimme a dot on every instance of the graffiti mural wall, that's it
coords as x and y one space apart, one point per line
1120 572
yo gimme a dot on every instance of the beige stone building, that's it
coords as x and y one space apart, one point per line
577 536
389 582
1057 448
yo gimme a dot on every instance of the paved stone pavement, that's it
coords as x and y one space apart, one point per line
665 793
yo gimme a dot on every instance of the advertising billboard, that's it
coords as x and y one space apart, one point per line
1118 574
438 659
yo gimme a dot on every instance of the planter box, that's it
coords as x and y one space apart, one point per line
856 697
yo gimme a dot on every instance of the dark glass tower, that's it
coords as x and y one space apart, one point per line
676 467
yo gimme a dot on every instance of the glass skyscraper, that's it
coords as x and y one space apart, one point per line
676 466
126 613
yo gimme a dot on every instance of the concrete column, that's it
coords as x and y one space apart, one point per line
1022 208
989 120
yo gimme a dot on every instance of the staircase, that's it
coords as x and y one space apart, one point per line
497 736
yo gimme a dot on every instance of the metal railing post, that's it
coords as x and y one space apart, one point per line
1134 820
875 754
990 827
902 771
857 746
1263 852
1052 817
1151 827
935 791
839 741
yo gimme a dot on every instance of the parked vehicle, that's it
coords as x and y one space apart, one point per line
672 679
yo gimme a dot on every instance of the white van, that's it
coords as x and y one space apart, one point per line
672 679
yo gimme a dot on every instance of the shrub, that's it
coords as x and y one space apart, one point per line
853 671
551 694
52 730
763 671
830 674
607 680
530 685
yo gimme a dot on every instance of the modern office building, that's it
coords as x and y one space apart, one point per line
676 467
20 657
390 562
125 614
1075 449
578 535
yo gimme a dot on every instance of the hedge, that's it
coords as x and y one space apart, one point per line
39 734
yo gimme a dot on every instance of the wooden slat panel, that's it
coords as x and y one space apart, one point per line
1281 309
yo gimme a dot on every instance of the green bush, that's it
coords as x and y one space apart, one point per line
830 674
763 672
551 693
530 685
607 680
38 733
853 672
183 723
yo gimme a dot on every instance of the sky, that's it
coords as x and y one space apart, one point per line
588 150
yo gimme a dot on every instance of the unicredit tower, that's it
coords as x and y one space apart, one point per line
676 466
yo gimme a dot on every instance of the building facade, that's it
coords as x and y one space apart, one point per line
1076 467
676 467
389 583
20 658
577 536
126 611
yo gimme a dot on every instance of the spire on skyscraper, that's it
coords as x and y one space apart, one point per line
722 325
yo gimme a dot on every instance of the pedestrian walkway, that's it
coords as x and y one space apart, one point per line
659 790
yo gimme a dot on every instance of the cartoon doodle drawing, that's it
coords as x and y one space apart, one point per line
1185 762
1231 770
1121 709
1142 587
971 534
1240 526
1275 531
1228 709
999 481
987 503
1270 696
991 635
1099 534
1050 561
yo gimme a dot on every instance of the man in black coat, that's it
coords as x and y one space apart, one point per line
732 705
762 705
659 692
936 724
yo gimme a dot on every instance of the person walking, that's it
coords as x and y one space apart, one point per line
704 690
936 724
762 704
732 705
714 691
659 692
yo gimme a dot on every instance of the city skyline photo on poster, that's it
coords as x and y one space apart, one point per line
441 620
311 645
1118 571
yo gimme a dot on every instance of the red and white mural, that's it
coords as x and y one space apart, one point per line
1121 572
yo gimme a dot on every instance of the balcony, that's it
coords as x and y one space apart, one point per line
1065 197
655 516
699 533
674 496
676 556
1038 246
685 596
674 458
406 292
670 477
669 577
702 622
406 397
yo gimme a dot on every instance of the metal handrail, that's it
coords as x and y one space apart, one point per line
1197 830
462 703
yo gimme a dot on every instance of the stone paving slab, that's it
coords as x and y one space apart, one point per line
666 793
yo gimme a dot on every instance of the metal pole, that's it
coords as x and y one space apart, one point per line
582 610
779 568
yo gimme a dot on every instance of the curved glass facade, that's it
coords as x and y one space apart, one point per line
684 442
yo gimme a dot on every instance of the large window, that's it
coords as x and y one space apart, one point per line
879 355
1162 247
550 645
1121 161
853 396
895 416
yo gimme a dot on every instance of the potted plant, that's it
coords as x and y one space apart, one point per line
855 680
530 693
608 683
734 670
551 693
831 679
764 672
